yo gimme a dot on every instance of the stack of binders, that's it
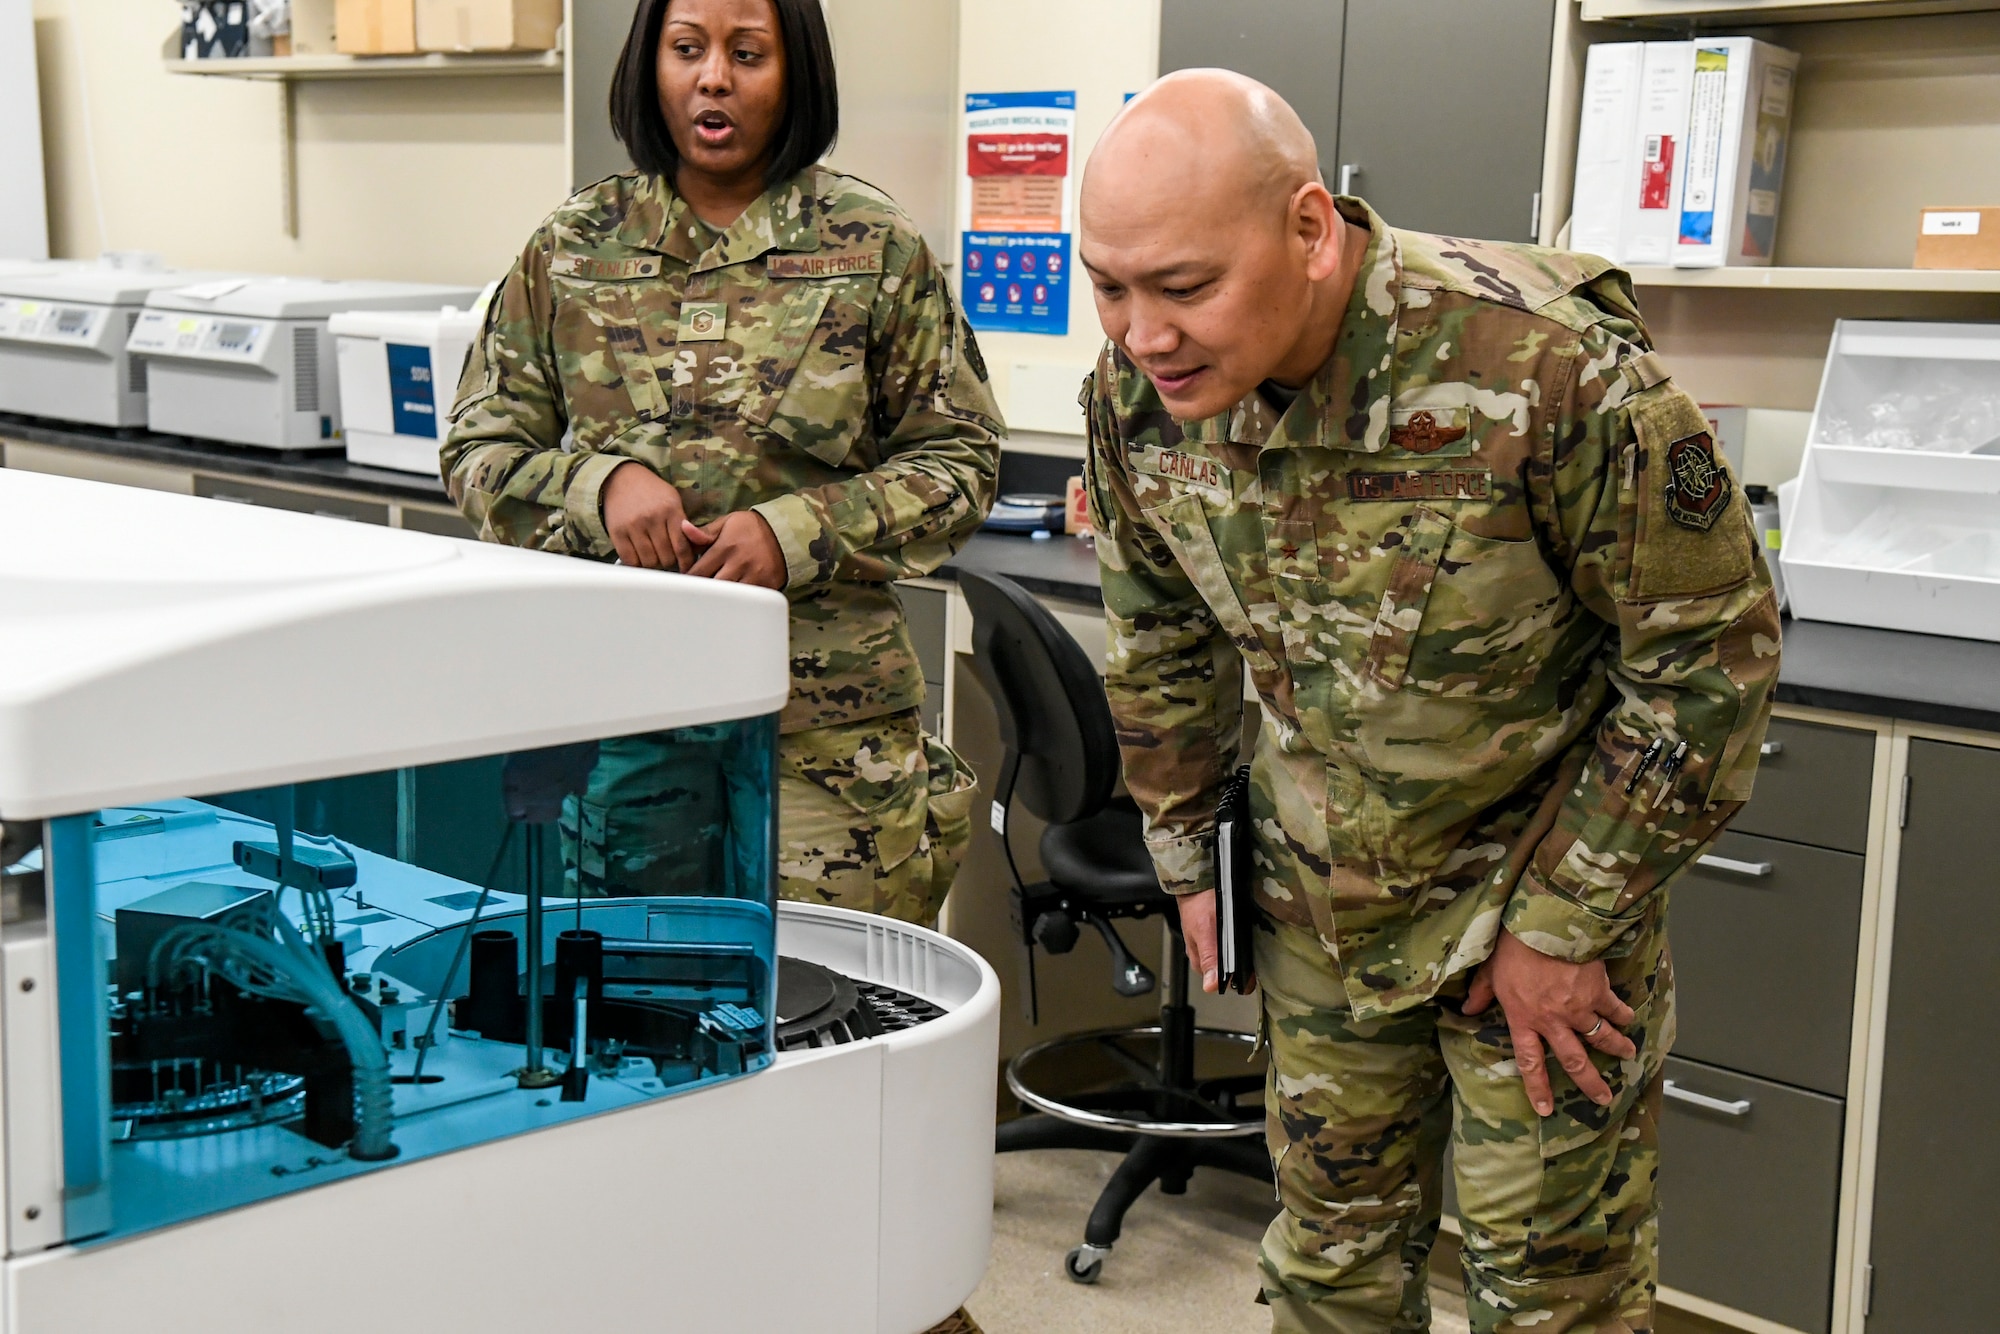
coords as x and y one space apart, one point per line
1680 156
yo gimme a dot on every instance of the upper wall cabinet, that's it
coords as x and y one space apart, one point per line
1432 110
1291 45
1769 11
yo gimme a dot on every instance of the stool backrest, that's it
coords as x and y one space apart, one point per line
1053 718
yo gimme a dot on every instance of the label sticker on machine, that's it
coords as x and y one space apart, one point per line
412 400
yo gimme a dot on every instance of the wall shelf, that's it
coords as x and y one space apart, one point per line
429 65
1779 277
289 71
1679 13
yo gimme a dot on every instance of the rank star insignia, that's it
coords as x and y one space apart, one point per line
1421 434
1289 551
1697 486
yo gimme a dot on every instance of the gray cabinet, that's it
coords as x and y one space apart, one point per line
1749 1193
237 491
1765 929
1937 1166
442 522
1293 46
1443 108
1432 110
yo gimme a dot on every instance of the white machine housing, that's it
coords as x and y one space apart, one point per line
399 373
160 644
1904 537
63 334
249 361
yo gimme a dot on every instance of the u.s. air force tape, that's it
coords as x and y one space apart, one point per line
824 266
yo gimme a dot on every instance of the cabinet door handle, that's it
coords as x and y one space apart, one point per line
1741 1107
1770 748
1348 171
1734 867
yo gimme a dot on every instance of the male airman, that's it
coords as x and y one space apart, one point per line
1497 595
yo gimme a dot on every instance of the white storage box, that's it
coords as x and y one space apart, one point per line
398 374
250 363
63 330
1898 518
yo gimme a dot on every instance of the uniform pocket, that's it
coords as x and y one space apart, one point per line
1182 523
876 769
610 376
1491 620
804 385
953 790
1401 615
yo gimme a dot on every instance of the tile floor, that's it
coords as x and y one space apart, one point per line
1182 1264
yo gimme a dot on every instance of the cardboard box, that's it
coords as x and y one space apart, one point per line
313 28
375 27
488 25
1959 238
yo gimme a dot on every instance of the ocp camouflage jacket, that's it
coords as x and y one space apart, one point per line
810 365
1483 564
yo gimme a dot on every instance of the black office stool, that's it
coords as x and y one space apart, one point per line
1062 761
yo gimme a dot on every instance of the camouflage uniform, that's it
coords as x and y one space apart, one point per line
1487 559
807 363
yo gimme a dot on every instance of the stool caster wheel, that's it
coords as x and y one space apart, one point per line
1085 1263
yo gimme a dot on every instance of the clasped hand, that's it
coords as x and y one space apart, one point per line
649 528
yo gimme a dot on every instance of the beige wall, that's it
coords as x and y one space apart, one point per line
1103 49
430 178
443 178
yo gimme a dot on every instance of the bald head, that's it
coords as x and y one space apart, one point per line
1217 258
1204 136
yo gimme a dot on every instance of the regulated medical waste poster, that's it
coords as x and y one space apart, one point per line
1018 207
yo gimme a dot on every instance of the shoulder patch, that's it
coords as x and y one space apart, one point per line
971 348
836 265
1697 487
1689 538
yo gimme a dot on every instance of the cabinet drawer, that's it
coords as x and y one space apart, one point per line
1764 937
1813 787
299 502
444 523
1749 1187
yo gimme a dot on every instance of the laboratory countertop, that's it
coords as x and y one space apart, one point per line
1846 668
329 469
1850 669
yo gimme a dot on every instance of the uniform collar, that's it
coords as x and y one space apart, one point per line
1346 403
784 217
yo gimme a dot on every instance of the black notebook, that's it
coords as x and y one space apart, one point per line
1235 878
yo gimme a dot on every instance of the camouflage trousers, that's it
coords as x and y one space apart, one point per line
873 815
1558 1212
